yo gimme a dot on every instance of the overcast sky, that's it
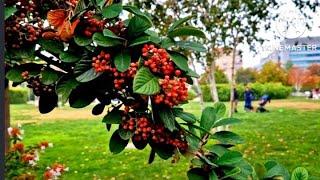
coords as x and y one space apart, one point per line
288 12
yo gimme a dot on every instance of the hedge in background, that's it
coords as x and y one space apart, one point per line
18 95
275 90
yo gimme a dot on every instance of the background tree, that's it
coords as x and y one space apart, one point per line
246 75
272 72
288 65
297 77
314 69
219 75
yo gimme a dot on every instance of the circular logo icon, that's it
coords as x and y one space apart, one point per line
291 24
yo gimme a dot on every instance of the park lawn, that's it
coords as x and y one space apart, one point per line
286 134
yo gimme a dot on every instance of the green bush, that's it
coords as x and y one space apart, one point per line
275 90
18 95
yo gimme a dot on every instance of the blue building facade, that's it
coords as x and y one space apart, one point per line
302 52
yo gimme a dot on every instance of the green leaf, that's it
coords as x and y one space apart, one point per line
14 74
125 134
82 40
137 26
180 60
136 11
117 144
98 109
113 117
9 11
226 121
80 7
213 175
145 82
47 103
179 22
186 31
232 172
191 73
167 42
64 87
260 170
81 97
191 46
104 41
69 57
227 137
89 75
49 76
143 40
110 34
193 142
229 158
122 61
51 46
82 66
220 109
208 118
218 149
197 174
300 173
168 119
187 117
112 11
277 170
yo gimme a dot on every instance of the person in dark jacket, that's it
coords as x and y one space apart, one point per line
248 97
263 101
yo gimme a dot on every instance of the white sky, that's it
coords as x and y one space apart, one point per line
251 59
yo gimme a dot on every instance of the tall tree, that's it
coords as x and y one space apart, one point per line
246 75
314 69
297 77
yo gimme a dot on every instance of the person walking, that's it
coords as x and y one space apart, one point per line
248 97
235 99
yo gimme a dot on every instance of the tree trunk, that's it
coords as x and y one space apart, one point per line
6 118
232 81
197 85
212 81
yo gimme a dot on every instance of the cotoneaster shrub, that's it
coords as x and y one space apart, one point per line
140 79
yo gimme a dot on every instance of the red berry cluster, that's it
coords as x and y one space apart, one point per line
143 130
174 91
119 28
91 24
122 77
25 75
25 26
158 60
162 136
35 84
101 62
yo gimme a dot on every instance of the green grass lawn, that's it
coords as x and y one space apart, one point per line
288 134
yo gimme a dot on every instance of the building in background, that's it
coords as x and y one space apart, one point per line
302 52
224 62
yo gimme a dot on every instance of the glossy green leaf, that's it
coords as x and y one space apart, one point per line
213 175
122 61
143 40
218 149
137 26
117 144
220 109
226 121
180 60
51 46
82 40
136 11
81 97
179 22
227 137
110 34
14 74
113 117
69 57
300 173
104 41
167 42
125 134
189 45
64 87
9 11
229 158
89 75
112 10
47 103
187 117
197 174
168 118
49 76
208 118
145 82
186 31
98 109
191 73
276 171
